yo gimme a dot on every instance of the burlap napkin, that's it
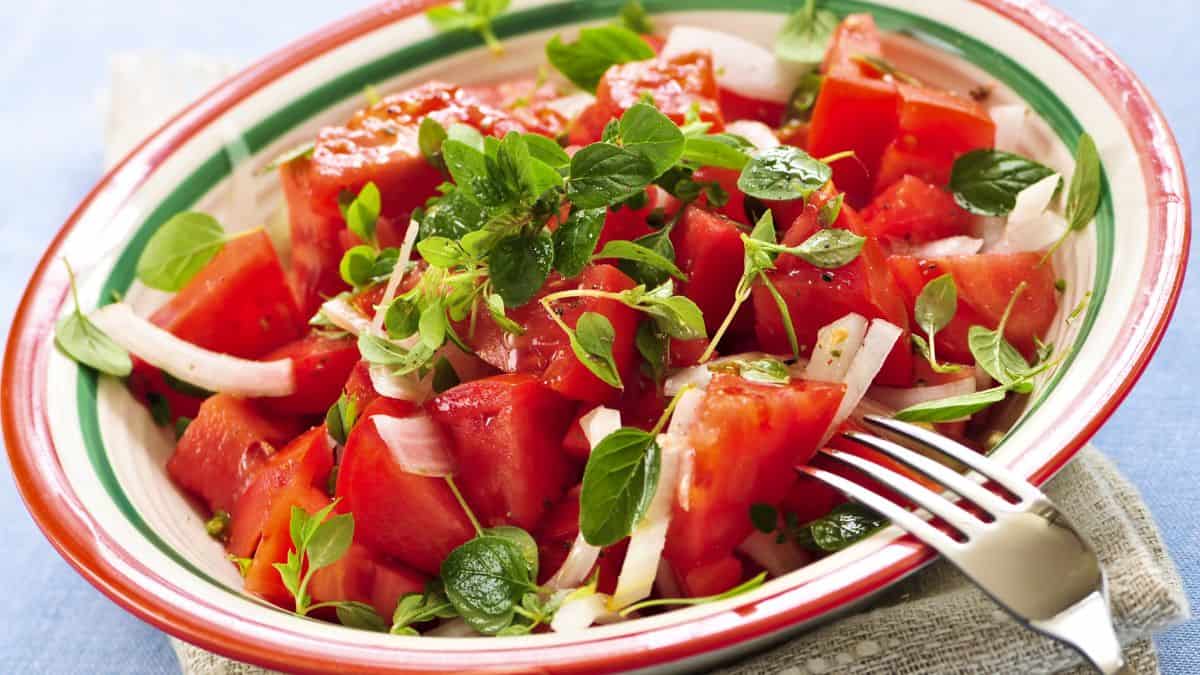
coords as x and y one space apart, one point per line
935 622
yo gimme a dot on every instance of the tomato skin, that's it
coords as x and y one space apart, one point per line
676 84
708 248
683 353
525 100
985 284
859 114
711 578
223 445
558 532
506 433
414 519
817 297
731 473
735 208
566 374
321 365
915 211
362 577
737 107
856 36
262 579
304 462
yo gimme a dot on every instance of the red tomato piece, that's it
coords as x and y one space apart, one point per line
942 121
358 386
916 212
747 439
304 462
262 579
708 248
506 433
625 223
525 100
986 283
415 519
683 353
378 144
859 114
676 85
222 447
558 532
816 297
738 107
575 443
856 36
360 576
711 578
321 366
735 208
902 158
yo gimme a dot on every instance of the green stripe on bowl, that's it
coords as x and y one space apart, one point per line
351 83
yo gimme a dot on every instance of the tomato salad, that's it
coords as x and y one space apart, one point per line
546 353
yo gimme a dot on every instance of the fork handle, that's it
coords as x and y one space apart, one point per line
1088 627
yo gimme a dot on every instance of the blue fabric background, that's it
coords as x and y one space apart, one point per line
52 67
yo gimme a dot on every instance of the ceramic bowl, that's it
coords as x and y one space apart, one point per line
90 463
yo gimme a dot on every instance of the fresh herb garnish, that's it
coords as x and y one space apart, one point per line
764 370
217 527
764 517
485 581
844 525
418 608
576 238
633 16
430 136
476 15
803 98
621 249
585 61
83 341
520 265
953 408
1083 197
743 587
806 35
935 307
179 249
997 356
783 173
603 174
340 418
653 345
987 182
725 151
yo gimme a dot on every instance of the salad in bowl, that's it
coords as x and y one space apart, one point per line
545 353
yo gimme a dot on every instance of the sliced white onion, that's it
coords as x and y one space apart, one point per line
578 613
696 376
342 314
687 471
687 411
407 387
988 228
453 628
1034 200
950 246
398 272
640 567
579 563
1031 235
572 105
777 558
837 343
754 131
741 66
195 365
900 398
416 443
1012 125
598 423
876 346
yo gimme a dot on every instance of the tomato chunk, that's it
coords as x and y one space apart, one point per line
915 211
856 36
710 578
935 127
859 114
305 462
321 365
415 519
223 445
816 297
708 248
675 84
986 282
506 433
738 107
747 439
378 144
262 579
361 576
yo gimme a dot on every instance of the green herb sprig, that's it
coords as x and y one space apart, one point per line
77 337
475 15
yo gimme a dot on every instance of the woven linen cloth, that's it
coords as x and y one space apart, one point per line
933 622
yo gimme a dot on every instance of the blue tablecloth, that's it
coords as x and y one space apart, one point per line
53 67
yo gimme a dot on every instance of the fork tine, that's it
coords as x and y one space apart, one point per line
921 495
957 482
900 516
989 468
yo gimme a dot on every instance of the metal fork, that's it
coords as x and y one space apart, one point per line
1028 558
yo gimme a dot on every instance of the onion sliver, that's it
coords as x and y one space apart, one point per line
1034 200
1031 235
598 423
777 558
756 132
742 67
687 410
579 613
342 314
398 272
697 376
403 387
837 343
1012 125
950 246
640 567
901 398
195 365
453 628
572 105
416 443
876 347
579 563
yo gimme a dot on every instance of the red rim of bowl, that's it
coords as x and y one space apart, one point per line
137 588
